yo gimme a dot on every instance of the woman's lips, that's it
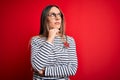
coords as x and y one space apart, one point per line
57 23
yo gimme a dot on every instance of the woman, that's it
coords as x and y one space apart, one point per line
53 54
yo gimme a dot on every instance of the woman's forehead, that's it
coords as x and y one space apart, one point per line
54 10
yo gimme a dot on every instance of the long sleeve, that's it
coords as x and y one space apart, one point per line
39 53
65 69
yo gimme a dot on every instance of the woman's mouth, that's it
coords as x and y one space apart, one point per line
57 23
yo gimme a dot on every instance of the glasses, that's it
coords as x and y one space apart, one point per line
53 15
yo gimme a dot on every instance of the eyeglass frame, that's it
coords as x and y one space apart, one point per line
54 15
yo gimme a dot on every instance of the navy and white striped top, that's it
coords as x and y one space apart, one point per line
57 60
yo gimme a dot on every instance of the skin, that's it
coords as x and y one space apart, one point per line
56 21
53 24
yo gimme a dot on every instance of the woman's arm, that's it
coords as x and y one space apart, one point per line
67 69
39 53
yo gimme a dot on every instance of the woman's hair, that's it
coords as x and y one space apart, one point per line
43 23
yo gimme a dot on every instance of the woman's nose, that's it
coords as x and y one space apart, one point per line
57 17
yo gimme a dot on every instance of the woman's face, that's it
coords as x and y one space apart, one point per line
54 18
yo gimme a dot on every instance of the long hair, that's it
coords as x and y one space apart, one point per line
43 21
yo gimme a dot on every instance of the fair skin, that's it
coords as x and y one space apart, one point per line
54 23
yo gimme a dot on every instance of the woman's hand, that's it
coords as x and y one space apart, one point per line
52 34
42 72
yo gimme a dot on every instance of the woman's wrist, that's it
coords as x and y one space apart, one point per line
49 40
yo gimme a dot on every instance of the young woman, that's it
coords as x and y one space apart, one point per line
53 53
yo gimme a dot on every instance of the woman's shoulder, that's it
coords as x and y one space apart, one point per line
36 37
69 37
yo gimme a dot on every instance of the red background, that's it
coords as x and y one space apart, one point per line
95 25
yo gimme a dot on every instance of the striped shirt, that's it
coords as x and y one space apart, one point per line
57 60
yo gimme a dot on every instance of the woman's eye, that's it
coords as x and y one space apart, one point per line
59 14
53 14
